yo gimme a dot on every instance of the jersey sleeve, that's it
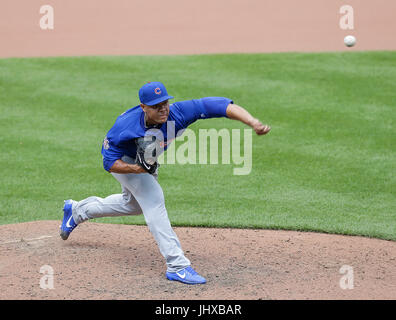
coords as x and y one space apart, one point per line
110 154
214 107
205 108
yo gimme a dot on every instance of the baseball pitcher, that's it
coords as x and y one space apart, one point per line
130 154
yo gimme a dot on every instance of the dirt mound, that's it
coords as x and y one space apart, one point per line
108 261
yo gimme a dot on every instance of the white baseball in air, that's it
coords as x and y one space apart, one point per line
349 41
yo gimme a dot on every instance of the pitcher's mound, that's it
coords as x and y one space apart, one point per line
108 261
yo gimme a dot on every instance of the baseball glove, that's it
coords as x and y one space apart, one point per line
147 153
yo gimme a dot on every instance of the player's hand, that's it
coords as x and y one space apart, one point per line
260 128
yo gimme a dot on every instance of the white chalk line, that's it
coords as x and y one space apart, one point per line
26 240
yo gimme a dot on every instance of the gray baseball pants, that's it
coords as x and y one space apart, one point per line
141 193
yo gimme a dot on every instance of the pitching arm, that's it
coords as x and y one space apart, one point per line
236 112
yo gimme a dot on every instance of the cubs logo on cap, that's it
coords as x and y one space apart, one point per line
153 93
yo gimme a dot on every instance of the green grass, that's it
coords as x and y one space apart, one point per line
328 165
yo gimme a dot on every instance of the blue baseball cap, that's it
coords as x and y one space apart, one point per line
153 93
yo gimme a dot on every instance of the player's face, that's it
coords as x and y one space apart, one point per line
158 113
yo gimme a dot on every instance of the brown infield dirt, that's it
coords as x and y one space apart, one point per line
106 261
109 261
